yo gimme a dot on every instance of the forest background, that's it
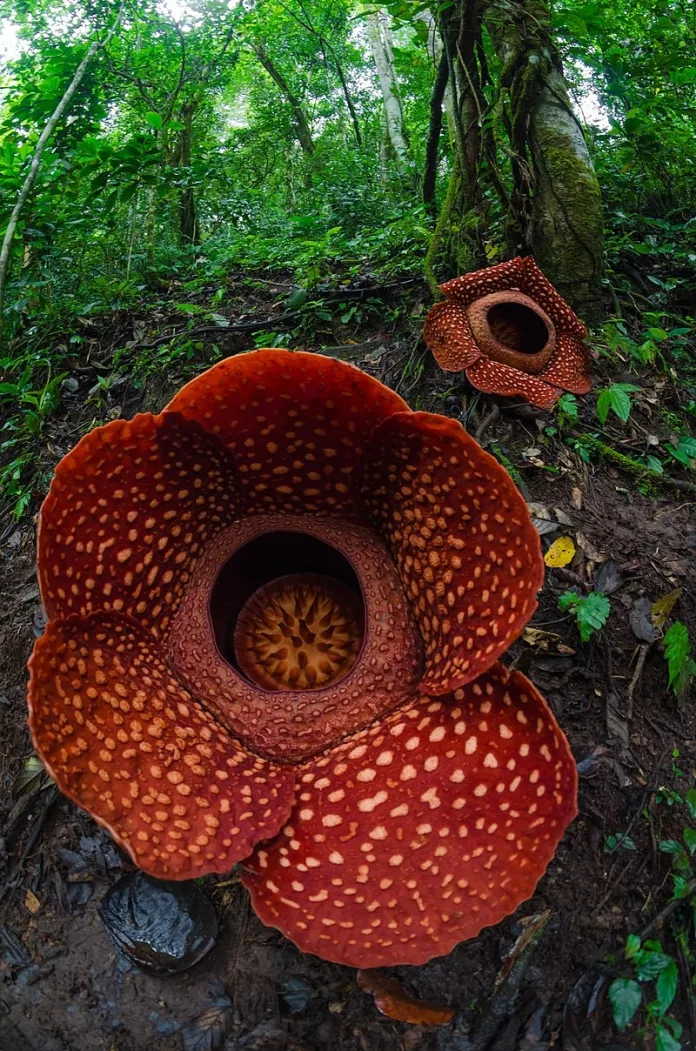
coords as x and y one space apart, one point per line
182 143
181 180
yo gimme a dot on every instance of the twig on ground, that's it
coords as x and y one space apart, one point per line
485 423
664 914
640 664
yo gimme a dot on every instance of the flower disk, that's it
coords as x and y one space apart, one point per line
299 632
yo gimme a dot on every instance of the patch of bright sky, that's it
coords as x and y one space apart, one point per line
9 41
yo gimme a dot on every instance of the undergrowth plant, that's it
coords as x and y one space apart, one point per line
591 611
681 665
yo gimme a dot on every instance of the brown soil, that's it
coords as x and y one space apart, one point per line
63 987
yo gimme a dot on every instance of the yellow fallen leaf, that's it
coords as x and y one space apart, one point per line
560 553
663 606
31 902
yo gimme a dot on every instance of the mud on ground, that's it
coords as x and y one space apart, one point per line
63 986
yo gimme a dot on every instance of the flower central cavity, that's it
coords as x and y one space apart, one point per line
518 327
299 632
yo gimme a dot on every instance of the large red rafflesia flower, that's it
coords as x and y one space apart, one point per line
275 613
511 331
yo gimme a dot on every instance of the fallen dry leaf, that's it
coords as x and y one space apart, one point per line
663 606
561 553
392 1000
591 552
542 639
31 902
576 498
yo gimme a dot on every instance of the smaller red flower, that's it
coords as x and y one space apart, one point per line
512 333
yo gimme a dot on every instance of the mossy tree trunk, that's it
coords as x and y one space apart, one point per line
519 149
556 205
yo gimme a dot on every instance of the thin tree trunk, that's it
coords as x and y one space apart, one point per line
35 164
379 37
349 101
431 149
435 50
302 128
188 224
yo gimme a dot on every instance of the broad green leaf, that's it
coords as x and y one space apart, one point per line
625 996
153 119
664 1041
689 835
666 986
651 964
677 649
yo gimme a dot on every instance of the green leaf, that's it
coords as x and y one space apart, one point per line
689 835
651 964
592 613
612 843
666 986
670 846
632 946
658 333
690 800
664 1041
153 119
677 650
625 996
617 399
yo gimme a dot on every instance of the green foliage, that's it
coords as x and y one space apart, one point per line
590 611
651 965
617 399
681 665
684 452
567 411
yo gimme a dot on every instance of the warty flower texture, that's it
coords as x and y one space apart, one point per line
275 616
512 333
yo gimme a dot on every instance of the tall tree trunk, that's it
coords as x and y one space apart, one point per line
188 220
557 195
35 164
555 208
300 121
379 36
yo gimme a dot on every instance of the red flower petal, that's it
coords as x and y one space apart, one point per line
494 377
539 288
466 289
127 515
296 422
417 833
295 724
125 741
462 538
448 336
569 366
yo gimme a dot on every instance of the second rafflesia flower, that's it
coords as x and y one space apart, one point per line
276 611
512 333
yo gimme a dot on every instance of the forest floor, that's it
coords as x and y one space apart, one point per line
63 986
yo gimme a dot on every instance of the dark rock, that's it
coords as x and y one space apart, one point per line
162 926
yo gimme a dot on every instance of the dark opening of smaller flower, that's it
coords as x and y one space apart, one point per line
288 612
518 327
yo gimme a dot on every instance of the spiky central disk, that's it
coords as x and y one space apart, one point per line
299 632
